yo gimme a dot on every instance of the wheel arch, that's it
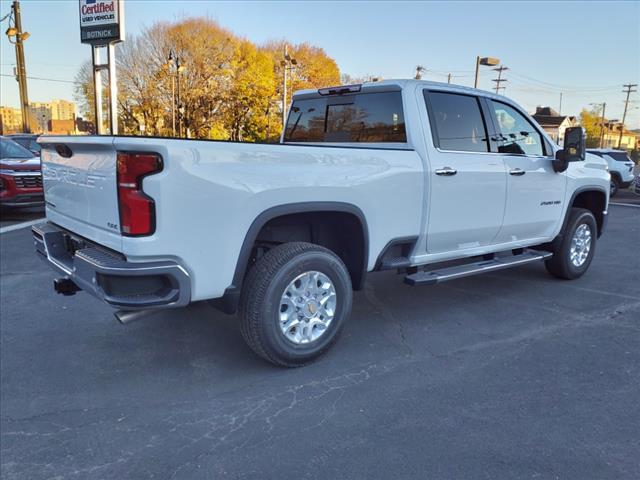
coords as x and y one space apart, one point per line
228 303
616 175
594 199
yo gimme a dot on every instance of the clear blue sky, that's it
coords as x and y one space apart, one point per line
587 50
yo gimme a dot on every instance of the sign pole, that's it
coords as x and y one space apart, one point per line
97 88
113 90
102 26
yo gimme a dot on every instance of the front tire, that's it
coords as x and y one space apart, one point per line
573 254
294 303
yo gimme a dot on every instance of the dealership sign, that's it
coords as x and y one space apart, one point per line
101 21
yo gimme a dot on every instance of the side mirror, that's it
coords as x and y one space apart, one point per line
574 149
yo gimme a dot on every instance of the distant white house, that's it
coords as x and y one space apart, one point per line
553 123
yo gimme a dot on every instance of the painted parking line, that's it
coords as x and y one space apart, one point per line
18 226
624 204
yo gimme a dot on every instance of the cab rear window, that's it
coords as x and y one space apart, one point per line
362 118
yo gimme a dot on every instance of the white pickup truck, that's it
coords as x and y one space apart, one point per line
435 181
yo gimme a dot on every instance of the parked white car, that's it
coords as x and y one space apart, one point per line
620 167
433 180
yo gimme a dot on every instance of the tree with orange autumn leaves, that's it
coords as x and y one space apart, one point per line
230 89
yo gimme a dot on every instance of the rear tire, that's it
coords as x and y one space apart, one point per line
573 254
282 315
614 186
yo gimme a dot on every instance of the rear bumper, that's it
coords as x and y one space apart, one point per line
108 275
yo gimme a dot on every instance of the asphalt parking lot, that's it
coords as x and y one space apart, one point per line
9 217
508 375
626 197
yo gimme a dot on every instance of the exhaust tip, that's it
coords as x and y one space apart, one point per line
128 316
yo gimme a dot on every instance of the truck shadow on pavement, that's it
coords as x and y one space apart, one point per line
389 319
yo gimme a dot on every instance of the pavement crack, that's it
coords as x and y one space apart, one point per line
383 310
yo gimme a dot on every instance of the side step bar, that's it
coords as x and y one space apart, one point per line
484 266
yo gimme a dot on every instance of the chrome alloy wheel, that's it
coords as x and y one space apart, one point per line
580 245
307 307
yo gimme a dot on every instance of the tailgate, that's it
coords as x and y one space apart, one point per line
80 191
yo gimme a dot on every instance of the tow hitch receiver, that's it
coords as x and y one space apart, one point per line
65 286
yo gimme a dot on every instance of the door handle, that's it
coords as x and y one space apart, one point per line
446 171
518 172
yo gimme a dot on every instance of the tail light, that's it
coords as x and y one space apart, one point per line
137 210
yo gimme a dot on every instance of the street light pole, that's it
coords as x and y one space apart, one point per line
178 96
173 105
287 64
174 61
169 67
487 61
284 89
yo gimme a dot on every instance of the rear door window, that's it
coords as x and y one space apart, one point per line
363 118
619 156
457 122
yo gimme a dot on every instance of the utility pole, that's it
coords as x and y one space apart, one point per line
419 71
560 107
499 80
629 90
598 106
21 69
449 78
604 107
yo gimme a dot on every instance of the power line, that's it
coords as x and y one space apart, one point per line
564 87
42 78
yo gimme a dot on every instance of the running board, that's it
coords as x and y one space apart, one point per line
484 266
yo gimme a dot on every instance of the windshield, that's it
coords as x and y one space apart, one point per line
10 149
27 142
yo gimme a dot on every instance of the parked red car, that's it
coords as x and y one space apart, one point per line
20 176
